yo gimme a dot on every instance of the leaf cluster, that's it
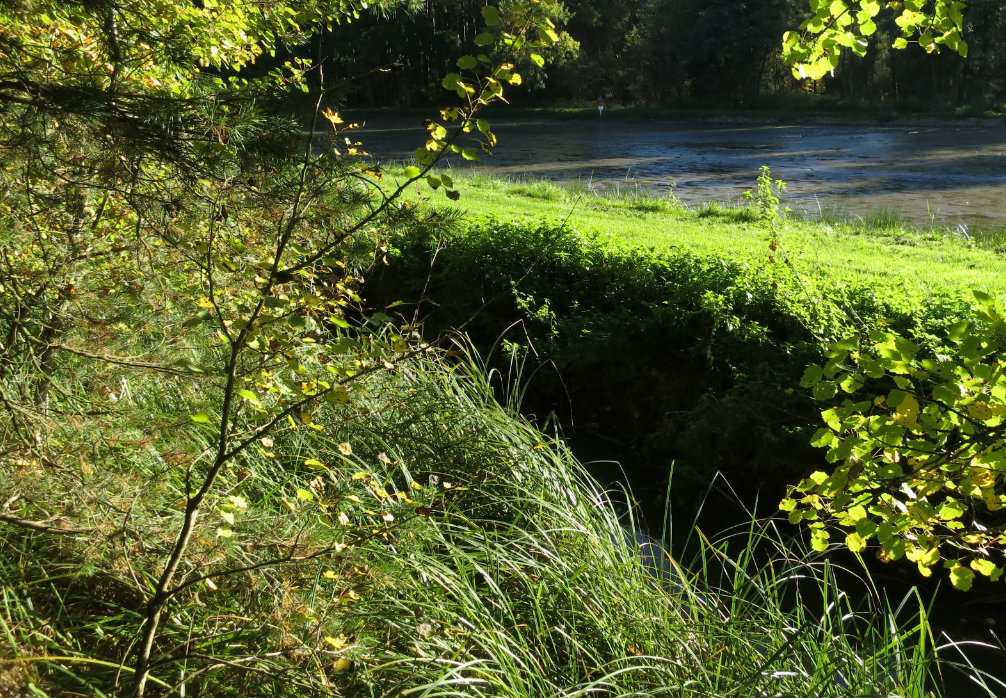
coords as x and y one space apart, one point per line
919 457
837 25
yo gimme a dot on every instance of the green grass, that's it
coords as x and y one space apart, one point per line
476 558
879 249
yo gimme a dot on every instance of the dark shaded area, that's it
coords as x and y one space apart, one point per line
713 52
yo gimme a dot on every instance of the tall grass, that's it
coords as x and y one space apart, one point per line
443 547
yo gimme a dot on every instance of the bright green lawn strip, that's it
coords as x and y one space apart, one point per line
919 263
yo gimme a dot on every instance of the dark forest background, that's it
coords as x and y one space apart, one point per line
723 53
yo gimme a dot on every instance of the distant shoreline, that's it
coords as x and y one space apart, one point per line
795 117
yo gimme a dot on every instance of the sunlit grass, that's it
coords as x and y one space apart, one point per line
878 249
474 557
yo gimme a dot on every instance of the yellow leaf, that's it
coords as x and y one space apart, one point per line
980 410
333 116
343 665
361 476
991 499
204 302
985 567
337 643
907 412
345 449
330 574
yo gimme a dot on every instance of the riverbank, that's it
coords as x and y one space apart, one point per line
660 333
882 251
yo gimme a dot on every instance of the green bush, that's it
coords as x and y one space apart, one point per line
681 356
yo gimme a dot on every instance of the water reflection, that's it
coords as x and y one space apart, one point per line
954 173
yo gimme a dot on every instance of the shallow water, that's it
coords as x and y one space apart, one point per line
944 174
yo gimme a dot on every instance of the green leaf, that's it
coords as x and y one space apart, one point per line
197 319
855 542
200 418
484 39
467 62
822 438
961 577
412 172
248 395
825 390
811 376
959 330
832 419
547 35
434 181
900 42
469 154
424 156
537 60
852 382
491 15
984 298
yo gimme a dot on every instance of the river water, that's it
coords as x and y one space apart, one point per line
947 173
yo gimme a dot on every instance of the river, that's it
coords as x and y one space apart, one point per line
944 173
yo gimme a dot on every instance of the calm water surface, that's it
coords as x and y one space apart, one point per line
952 174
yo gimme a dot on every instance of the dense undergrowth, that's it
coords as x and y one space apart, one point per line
416 539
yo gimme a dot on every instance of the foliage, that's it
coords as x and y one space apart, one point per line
767 197
836 26
918 465
165 237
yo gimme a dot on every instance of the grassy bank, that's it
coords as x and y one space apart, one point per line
676 334
444 547
884 251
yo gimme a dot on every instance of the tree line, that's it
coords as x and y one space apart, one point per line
722 53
